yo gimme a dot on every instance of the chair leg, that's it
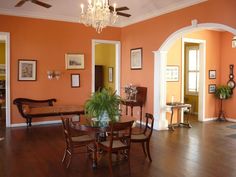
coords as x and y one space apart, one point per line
110 164
144 151
68 163
64 156
128 156
148 151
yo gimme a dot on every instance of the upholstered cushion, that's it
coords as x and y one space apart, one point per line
82 138
138 137
116 144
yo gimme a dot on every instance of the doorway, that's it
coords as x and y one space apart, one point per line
106 65
5 79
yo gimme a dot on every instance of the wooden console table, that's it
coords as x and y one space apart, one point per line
139 102
178 106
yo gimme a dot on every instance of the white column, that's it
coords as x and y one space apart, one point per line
160 122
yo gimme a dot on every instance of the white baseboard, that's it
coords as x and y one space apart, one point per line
37 123
214 118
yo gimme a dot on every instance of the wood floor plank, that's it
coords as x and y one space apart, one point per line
205 150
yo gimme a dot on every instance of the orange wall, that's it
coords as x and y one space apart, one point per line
150 35
48 42
213 58
228 57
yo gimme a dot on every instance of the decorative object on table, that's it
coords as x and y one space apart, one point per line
131 92
172 73
110 74
27 70
212 74
231 82
104 106
74 61
136 58
211 88
75 80
53 74
100 14
2 69
222 92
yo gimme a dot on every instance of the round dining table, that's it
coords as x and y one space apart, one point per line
86 124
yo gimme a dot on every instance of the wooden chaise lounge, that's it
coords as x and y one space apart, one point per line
29 109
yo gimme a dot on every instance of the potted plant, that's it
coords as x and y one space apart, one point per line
223 92
103 105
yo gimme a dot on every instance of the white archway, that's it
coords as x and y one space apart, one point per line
160 57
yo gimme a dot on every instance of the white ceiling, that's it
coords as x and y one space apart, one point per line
69 10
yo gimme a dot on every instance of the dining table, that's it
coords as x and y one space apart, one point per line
99 133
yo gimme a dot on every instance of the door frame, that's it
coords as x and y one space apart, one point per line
117 58
202 75
6 37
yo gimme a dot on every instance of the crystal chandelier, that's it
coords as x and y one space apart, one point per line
98 14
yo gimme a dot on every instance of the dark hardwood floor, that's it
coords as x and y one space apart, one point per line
205 150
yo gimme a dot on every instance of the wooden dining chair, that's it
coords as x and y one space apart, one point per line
118 141
145 136
74 144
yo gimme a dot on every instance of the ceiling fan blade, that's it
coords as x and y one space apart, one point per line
123 14
41 3
118 9
20 3
122 8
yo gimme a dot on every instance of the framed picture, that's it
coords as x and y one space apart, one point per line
212 74
136 58
110 74
27 70
172 73
2 69
75 80
74 61
211 88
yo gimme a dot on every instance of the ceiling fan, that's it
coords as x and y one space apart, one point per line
40 3
118 9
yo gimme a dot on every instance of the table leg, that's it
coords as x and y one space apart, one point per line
141 115
171 127
126 109
131 111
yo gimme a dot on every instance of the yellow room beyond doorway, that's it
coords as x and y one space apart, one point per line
105 56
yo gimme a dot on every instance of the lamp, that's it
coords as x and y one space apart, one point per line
54 74
98 14
234 42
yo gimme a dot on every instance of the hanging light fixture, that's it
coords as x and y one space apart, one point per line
98 14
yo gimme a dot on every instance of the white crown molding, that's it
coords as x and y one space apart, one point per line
73 19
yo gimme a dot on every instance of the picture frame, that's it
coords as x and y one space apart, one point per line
2 69
212 74
110 74
27 70
211 88
74 61
172 73
136 55
75 80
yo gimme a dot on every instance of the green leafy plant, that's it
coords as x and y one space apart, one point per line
223 92
103 101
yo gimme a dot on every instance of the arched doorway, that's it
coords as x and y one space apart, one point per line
160 57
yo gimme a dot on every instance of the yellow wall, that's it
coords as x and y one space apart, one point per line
105 55
2 57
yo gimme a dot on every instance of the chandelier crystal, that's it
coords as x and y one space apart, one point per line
98 14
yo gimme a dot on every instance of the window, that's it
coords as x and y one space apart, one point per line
192 70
